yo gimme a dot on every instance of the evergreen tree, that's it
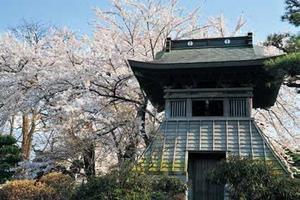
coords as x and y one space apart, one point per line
288 65
292 14
9 156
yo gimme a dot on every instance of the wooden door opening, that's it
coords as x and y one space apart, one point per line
199 165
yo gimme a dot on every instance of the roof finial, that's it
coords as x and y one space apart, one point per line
250 38
168 44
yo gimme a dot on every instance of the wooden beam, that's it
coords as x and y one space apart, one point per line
205 95
186 146
200 122
238 130
264 147
226 130
174 154
213 135
250 133
250 89
163 146
175 144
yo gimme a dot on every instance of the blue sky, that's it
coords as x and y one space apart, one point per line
263 16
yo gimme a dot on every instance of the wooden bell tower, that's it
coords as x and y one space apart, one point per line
207 88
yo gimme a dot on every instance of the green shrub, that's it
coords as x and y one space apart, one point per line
255 180
295 156
9 157
96 188
128 186
26 190
61 183
284 188
168 186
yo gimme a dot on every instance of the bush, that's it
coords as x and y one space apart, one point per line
9 157
26 190
127 186
168 186
284 188
62 184
53 186
96 188
250 179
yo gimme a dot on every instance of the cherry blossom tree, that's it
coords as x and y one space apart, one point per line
79 94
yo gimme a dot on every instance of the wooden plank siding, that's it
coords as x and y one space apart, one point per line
241 137
199 165
177 139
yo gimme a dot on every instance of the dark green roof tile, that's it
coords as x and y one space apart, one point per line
216 54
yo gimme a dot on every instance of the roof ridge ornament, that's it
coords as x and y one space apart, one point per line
250 38
220 42
168 44
227 41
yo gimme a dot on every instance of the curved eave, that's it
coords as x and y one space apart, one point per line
157 65
152 77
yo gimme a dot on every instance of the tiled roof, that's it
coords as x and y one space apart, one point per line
216 54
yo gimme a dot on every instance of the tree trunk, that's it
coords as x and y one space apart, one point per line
26 139
28 129
89 160
141 115
119 151
12 123
130 151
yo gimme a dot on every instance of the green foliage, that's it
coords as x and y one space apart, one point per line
293 44
284 41
292 14
7 140
9 157
295 156
26 190
255 180
127 186
169 186
288 64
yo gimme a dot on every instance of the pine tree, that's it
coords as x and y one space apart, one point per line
292 14
288 65
9 156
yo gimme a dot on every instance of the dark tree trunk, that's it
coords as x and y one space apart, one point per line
89 160
130 151
119 151
12 123
141 115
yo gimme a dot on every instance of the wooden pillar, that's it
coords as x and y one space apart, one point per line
167 109
226 109
189 111
249 107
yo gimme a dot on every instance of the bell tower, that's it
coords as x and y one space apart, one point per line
207 88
